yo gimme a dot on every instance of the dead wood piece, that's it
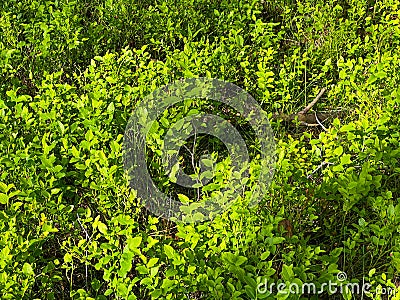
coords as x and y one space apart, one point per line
306 118
309 106
309 118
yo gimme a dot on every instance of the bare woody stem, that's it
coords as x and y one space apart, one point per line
309 106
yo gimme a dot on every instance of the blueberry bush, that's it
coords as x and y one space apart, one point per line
73 71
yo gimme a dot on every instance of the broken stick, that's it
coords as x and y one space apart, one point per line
309 106
309 119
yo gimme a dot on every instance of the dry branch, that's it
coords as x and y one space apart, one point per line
306 118
309 106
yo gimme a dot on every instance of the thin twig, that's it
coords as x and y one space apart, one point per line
86 251
320 124
83 228
338 109
319 167
308 124
193 161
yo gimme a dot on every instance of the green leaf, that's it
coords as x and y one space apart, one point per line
250 291
265 255
371 79
333 269
110 108
239 260
111 79
207 175
174 171
3 198
207 162
183 198
146 281
89 135
67 258
345 159
239 40
348 127
27 269
134 243
287 272
336 252
142 269
380 74
126 264
75 152
371 272
102 227
337 168
80 166
277 240
338 151
152 262
61 126
3 187
169 251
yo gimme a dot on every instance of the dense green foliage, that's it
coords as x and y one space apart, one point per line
73 71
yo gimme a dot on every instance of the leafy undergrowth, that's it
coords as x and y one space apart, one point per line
72 73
